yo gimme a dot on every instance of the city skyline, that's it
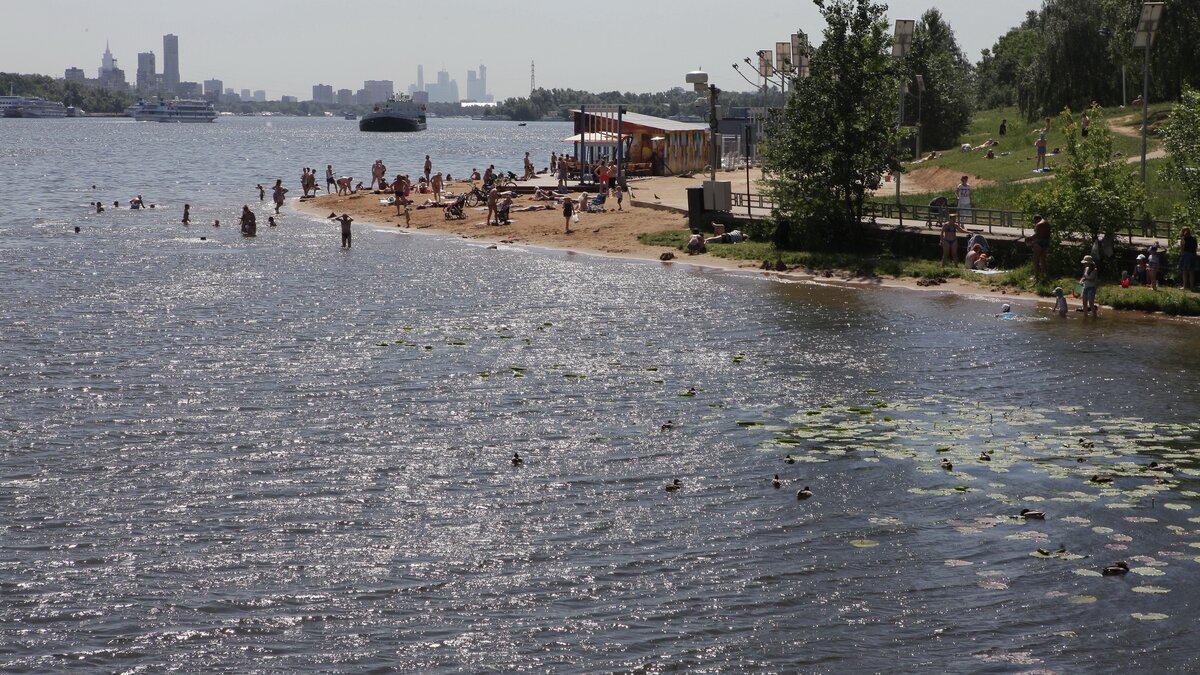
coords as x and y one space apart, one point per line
287 52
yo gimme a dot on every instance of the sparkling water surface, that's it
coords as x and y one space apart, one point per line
271 454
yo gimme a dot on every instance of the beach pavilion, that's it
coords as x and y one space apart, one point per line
648 145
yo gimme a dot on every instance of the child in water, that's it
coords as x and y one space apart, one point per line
1060 301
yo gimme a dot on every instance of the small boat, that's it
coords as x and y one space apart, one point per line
349 116
520 124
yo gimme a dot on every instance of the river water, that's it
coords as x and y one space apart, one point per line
272 454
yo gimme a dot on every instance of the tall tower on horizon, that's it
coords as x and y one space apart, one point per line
146 73
107 62
420 77
170 76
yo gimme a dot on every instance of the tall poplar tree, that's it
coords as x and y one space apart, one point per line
828 147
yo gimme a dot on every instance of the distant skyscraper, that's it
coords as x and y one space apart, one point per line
189 90
345 97
73 74
107 63
110 76
377 91
322 93
212 90
260 95
146 77
420 78
477 85
246 95
170 75
445 90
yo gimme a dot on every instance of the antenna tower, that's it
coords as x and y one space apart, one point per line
532 85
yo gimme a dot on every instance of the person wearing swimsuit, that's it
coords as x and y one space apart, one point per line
950 238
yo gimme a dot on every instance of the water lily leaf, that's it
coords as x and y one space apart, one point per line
957 563
1087 573
1149 616
1147 571
1082 599
864 543
1150 589
1176 506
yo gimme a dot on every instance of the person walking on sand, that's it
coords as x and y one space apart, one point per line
329 179
492 199
277 194
1040 241
1089 280
562 176
553 164
950 232
428 166
344 221
187 215
436 185
568 211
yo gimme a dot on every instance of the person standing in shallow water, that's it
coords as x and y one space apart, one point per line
277 194
428 166
344 221
187 216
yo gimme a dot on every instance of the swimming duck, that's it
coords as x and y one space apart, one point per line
668 425
1031 514
1168 468
1100 480
776 483
516 460
675 485
1086 443
984 457
804 494
789 460
947 465
1115 569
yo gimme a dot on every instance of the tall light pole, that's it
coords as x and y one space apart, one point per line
920 93
900 49
699 80
1143 38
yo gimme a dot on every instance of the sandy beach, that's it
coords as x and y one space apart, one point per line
612 233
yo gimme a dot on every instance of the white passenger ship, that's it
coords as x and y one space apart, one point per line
31 106
176 110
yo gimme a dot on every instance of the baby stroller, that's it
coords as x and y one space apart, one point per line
938 210
597 204
455 210
502 211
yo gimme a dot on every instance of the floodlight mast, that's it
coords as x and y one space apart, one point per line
1148 24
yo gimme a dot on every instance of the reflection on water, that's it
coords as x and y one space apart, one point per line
231 453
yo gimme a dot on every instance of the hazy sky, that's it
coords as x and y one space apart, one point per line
286 47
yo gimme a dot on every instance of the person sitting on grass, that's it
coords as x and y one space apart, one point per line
730 237
695 243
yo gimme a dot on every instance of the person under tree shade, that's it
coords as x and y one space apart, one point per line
1003 127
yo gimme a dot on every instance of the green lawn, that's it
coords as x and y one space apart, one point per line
1018 164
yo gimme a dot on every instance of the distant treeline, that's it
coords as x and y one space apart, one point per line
91 99
675 101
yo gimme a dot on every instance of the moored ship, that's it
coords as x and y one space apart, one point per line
31 106
400 113
176 110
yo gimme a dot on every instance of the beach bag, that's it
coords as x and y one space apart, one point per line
575 218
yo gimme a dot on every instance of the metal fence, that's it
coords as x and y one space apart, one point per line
761 206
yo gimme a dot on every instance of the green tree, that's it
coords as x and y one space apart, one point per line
947 101
1002 69
1181 137
1093 196
1074 67
830 143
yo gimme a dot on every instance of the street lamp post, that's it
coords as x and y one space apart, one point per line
699 80
920 92
1143 38
900 48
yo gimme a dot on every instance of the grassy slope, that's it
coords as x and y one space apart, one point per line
1019 163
